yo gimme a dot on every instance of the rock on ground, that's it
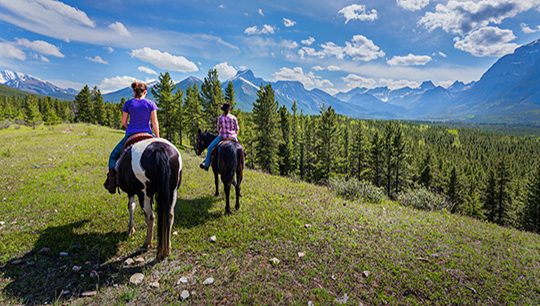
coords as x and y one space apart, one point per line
208 281
184 295
136 279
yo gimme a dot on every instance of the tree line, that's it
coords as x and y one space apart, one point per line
484 174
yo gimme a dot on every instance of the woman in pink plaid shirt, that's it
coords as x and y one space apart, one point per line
227 126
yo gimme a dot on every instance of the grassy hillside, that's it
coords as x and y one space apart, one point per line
52 201
7 91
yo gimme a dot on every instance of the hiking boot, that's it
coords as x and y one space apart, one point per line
203 166
110 184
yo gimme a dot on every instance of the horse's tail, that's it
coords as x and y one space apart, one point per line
229 161
165 187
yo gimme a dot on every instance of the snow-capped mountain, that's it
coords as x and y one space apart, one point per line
31 84
127 92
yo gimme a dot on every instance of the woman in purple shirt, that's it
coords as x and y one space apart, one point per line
140 112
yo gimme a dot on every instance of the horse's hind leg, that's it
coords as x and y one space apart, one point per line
216 180
238 189
227 196
131 208
149 218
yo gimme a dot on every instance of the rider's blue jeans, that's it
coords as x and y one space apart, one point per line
211 147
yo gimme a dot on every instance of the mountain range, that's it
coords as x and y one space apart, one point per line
509 91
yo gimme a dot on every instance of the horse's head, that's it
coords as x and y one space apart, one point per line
203 141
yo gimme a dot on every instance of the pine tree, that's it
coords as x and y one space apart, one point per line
376 158
426 176
490 196
212 99
49 113
327 134
309 144
399 148
266 123
83 105
31 111
503 200
284 150
344 144
532 203
165 99
295 154
98 107
359 152
229 94
452 190
193 110
388 155
179 115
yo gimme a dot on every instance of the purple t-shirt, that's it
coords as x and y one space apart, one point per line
139 115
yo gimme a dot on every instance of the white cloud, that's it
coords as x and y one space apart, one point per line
528 30
11 51
109 49
409 60
41 58
225 71
462 17
40 46
221 6
265 29
97 59
260 11
61 21
442 54
354 80
289 44
327 68
114 83
164 60
119 28
309 80
308 42
412 5
357 12
288 22
147 70
487 41
360 48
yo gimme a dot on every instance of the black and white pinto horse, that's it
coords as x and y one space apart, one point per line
147 168
228 159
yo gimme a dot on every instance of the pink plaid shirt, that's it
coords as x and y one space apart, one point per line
227 126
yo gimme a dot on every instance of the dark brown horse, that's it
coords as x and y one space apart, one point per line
147 168
228 159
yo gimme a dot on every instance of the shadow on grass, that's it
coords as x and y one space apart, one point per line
194 212
44 276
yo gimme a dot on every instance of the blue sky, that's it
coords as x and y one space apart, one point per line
333 45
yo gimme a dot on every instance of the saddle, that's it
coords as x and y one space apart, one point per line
133 139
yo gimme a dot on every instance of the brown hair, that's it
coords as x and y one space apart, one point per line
138 88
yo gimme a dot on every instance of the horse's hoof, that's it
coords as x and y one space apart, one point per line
237 207
216 194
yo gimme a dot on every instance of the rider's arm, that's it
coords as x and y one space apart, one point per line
125 117
155 123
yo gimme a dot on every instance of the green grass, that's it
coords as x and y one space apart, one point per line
52 197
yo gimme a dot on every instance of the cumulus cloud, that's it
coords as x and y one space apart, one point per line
357 12
41 58
409 60
97 59
119 28
109 49
309 80
225 71
40 46
265 29
528 30
164 60
115 83
360 48
487 41
11 51
462 17
327 68
260 11
412 5
147 70
354 80
288 22
308 41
